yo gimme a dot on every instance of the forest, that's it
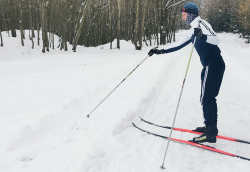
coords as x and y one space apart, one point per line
96 22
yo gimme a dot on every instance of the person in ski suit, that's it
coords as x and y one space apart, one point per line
213 64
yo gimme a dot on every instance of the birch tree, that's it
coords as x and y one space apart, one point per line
78 28
12 18
31 24
21 21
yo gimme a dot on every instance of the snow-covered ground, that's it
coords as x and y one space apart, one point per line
45 100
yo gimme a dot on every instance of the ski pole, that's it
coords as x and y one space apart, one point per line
169 138
116 87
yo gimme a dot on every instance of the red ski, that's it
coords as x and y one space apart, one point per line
194 144
195 132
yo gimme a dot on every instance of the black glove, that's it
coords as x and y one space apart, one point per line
198 32
154 51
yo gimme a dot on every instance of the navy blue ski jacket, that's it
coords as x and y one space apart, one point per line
206 46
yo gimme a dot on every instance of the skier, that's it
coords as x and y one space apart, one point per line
213 67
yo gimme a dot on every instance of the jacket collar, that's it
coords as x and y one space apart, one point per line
194 23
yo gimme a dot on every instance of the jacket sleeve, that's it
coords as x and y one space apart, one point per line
178 45
215 40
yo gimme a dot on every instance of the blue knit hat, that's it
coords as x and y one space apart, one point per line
190 8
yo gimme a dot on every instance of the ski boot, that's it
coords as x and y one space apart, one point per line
207 136
202 130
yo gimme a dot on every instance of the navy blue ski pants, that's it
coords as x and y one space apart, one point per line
211 78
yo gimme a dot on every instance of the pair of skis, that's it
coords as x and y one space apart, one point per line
192 143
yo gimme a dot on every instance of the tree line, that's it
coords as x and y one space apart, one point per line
229 16
92 22
97 22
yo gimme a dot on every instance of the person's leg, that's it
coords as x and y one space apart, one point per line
210 89
211 77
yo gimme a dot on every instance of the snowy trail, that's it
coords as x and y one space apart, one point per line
46 98
156 106
160 108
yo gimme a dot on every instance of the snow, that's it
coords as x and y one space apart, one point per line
46 97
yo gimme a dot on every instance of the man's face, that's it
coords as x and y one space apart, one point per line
184 16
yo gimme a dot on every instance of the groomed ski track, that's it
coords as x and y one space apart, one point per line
144 153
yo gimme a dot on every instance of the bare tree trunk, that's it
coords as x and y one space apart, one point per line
12 19
158 22
44 25
65 44
2 22
38 32
31 26
65 24
61 24
110 25
71 21
145 2
1 37
136 26
69 28
53 41
174 22
21 22
46 28
119 24
38 24
51 26
174 36
51 23
79 29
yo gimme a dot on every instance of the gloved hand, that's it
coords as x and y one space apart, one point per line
198 32
154 51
